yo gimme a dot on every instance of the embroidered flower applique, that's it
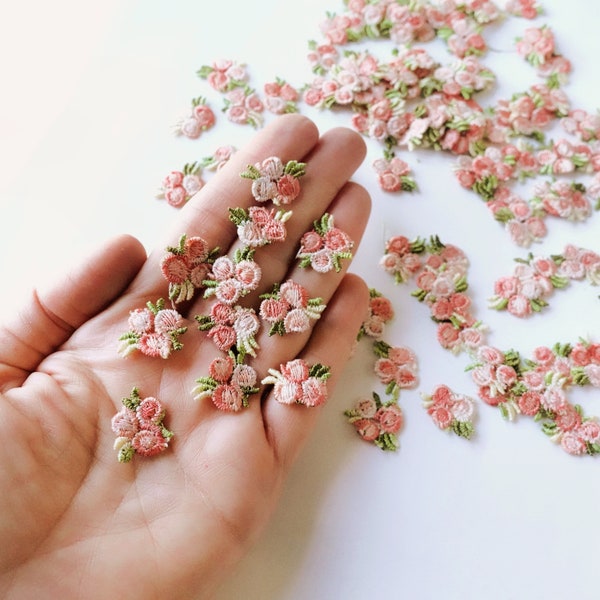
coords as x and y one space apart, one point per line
243 106
231 327
224 75
381 312
272 180
289 309
281 97
201 118
450 411
219 158
528 9
259 226
233 278
153 331
297 382
393 175
376 421
396 367
538 387
187 266
179 186
139 427
325 246
229 384
533 280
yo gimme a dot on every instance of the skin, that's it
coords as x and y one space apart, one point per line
76 523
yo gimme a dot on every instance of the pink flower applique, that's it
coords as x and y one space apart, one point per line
396 367
233 278
381 312
259 226
321 57
528 9
179 186
377 422
288 308
325 246
281 97
139 427
538 387
201 118
525 292
242 105
219 158
187 266
231 327
582 124
450 411
224 75
229 383
538 47
297 382
153 331
393 174
275 181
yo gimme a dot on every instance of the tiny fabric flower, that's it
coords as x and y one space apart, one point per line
288 309
233 278
297 382
450 411
258 226
376 421
139 427
324 247
229 383
200 119
272 180
179 186
153 331
187 266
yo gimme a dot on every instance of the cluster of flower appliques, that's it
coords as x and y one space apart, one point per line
538 47
258 226
187 266
297 382
538 387
229 383
525 292
180 185
153 330
376 421
275 181
288 308
528 9
200 119
281 97
450 411
381 312
233 278
242 104
325 246
440 273
139 427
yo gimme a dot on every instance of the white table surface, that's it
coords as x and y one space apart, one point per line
90 92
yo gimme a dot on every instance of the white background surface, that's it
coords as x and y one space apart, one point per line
90 94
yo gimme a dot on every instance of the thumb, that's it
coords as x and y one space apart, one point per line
49 317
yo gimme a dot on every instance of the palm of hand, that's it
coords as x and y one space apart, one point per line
79 522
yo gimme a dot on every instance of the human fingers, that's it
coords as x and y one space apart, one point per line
206 215
50 315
